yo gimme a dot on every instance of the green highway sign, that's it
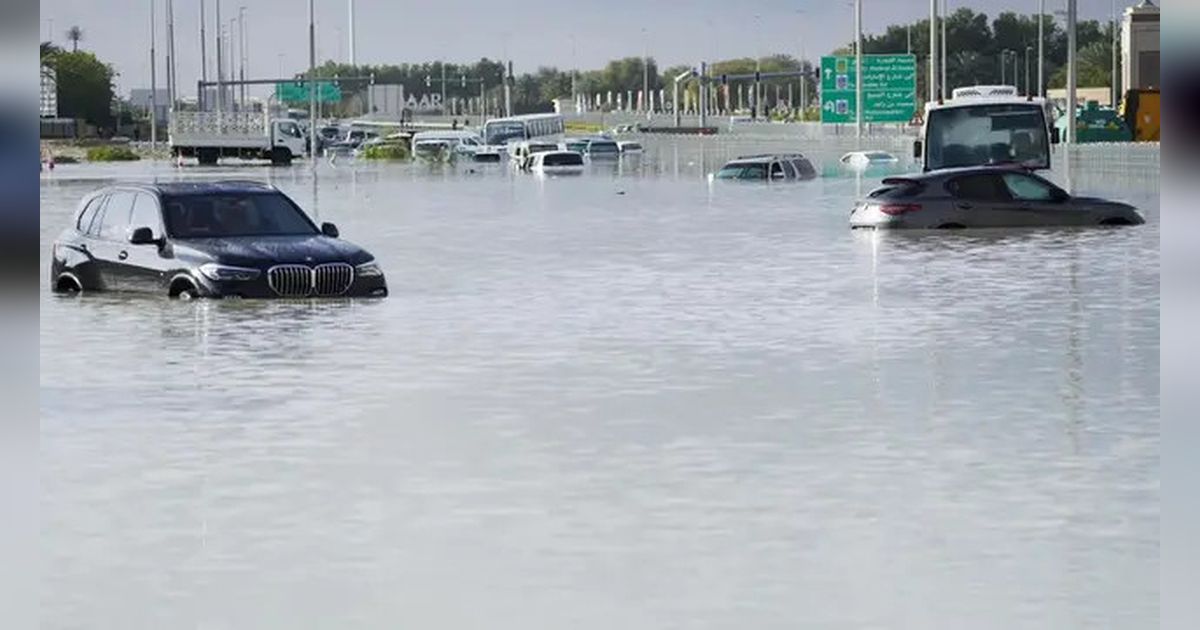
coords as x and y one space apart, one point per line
889 89
327 92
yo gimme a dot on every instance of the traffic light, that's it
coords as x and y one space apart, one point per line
428 81
463 79
757 76
724 79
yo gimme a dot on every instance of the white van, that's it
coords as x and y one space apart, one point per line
462 143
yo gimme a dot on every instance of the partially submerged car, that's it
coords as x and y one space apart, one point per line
768 167
212 239
867 159
556 163
983 196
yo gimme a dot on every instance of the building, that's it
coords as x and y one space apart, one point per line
140 100
1102 95
1140 47
48 97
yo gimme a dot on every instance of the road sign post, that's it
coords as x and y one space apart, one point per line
889 89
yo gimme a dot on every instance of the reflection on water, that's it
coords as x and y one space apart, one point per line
624 399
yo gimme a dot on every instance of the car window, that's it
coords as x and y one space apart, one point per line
145 213
88 214
93 227
788 169
1026 188
804 168
752 170
978 187
116 216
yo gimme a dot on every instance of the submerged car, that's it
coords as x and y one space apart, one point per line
771 167
984 196
216 239
866 159
556 163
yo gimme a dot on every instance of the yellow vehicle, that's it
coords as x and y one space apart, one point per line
1141 111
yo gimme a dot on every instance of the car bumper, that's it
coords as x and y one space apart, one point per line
361 287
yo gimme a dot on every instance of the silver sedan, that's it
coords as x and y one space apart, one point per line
986 196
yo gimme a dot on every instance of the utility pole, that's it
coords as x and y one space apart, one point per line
444 108
353 58
203 57
858 70
1072 69
944 83
153 86
1041 49
933 51
1003 67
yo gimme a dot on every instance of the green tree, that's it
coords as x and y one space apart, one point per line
85 87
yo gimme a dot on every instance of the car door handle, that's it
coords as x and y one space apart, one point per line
123 255
962 205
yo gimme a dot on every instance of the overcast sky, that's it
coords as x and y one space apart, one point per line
563 33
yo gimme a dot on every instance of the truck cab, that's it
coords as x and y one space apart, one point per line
985 124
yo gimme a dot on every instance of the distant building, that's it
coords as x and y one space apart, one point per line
48 98
1140 67
1102 95
140 99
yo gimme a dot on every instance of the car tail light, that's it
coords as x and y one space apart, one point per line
895 209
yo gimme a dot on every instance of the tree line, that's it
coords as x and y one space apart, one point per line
974 44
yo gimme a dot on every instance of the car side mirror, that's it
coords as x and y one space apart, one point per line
1059 195
329 229
917 149
142 236
1055 135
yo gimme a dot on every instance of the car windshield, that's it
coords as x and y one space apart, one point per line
603 147
987 134
753 170
501 132
562 159
234 214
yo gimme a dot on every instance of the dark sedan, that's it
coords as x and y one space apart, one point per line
983 196
220 239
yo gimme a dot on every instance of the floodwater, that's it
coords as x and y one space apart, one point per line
623 400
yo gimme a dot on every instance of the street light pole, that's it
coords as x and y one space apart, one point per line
312 86
1028 49
945 84
1113 25
153 86
858 70
203 55
1041 49
933 50
1072 76
1003 59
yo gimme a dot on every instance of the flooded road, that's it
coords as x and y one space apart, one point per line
622 400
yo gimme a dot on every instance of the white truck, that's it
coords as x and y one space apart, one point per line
986 124
210 136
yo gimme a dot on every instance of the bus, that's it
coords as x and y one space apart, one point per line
986 124
499 131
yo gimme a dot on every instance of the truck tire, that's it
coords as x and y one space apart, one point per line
281 156
207 157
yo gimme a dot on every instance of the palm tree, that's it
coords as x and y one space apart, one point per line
75 34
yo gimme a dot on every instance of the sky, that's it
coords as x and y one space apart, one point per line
565 33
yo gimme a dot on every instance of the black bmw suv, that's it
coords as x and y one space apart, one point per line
213 239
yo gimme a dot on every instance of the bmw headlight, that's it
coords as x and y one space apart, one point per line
216 272
369 269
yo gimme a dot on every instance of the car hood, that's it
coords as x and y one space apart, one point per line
264 251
